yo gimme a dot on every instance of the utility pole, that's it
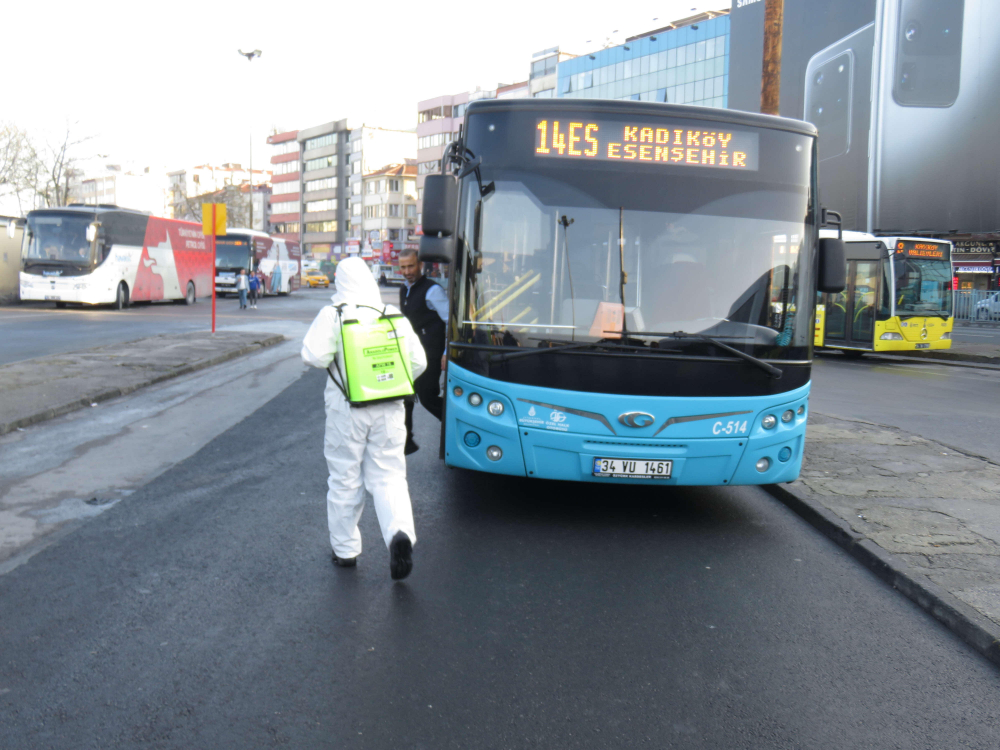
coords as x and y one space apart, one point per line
250 56
770 81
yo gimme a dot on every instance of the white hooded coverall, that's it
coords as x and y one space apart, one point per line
363 445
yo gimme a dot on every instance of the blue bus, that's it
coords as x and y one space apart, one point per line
632 291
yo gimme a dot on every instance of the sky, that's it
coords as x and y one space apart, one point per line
162 84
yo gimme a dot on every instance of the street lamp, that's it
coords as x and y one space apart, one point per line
250 56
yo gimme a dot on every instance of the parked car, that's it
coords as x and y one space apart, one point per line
311 277
989 308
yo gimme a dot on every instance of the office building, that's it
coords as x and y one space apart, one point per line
544 76
372 150
389 210
686 62
286 186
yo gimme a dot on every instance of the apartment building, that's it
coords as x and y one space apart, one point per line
187 187
372 148
438 121
286 186
389 211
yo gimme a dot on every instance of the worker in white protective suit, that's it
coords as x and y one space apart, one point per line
363 445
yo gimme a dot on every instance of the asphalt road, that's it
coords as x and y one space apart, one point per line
955 405
977 334
37 329
202 611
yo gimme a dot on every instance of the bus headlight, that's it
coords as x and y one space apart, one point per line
458 391
493 453
946 335
475 399
763 464
495 408
890 336
788 416
769 422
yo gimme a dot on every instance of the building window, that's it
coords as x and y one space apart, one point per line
437 113
410 188
330 139
544 67
288 147
430 141
394 210
285 207
325 184
459 110
545 94
420 194
411 211
356 188
322 162
321 226
280 188
286 167
429 167
356 146
330 204
394 186
356 167
285 227
375 212
355 209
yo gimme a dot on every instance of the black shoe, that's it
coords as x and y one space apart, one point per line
344 562
400 556
410 447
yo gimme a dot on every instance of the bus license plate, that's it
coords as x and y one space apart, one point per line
53 298
923 346
632 468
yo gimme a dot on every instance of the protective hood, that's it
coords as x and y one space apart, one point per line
356 285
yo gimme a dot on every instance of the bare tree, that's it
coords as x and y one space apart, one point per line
36 176
237 213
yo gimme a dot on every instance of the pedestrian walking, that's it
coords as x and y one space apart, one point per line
254 285
426 307
365 348
242 285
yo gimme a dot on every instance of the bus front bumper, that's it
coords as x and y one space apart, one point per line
63 289
700 453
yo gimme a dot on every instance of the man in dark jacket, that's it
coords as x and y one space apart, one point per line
425 305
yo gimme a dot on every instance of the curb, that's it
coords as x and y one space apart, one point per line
110 393
976 630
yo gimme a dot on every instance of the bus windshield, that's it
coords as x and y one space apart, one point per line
232 253
923 287
56 239
708 251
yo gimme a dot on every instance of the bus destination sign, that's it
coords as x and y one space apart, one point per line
615 140
922 249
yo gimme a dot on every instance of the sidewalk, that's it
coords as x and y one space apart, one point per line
962 351
922 516
39 389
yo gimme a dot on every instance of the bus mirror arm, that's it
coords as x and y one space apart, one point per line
832 275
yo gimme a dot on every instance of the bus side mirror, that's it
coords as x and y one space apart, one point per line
832 265
440 219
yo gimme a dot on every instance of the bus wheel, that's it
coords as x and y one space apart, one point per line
121 298
61 305
189 298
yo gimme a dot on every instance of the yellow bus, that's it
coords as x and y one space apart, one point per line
898 296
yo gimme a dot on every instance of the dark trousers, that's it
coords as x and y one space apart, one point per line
426 388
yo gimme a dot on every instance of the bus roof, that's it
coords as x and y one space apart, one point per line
610 106
82 208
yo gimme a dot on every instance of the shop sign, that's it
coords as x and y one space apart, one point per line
972 247
353 246
974 269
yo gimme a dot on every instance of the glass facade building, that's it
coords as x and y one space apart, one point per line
686 65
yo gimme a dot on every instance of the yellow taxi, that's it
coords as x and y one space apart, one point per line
311 277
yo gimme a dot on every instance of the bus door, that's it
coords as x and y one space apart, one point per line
850 314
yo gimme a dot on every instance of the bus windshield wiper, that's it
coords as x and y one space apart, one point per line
770 369
542 350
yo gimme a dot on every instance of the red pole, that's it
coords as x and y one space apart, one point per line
213 268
